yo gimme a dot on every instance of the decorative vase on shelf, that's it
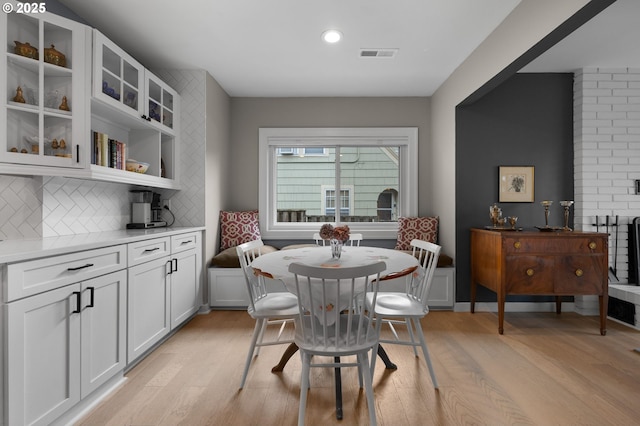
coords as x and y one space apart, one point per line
336 248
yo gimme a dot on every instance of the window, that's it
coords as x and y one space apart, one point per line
363 177
330 201
289 150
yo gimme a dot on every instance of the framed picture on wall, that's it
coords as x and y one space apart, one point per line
516 184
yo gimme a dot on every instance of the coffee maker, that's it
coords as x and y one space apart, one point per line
146 210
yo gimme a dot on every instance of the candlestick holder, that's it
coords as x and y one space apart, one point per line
566 204
546 204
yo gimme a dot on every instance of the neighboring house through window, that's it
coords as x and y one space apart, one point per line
363 177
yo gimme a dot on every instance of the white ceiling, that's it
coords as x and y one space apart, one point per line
273 48
611 39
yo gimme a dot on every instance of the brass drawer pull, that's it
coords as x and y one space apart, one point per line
517 244
592 245
530 272
579 272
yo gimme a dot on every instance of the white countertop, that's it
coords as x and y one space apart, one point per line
32 248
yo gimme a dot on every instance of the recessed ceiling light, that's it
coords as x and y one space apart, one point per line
332 36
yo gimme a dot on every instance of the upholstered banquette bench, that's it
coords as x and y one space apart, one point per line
227 289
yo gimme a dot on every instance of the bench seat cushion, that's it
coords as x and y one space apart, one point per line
228 258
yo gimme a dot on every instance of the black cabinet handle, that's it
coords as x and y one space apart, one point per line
78 302
170 263
176 266
150 250
92 291
77 153
186 242
88 265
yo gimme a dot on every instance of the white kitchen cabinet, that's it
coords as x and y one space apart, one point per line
148 312
118 79
43 97
69 330
50 110
65 343
164 288
103 330
186 277
148 294
43 357
160 102
134 107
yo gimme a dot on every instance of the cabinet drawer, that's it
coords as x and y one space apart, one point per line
147 250
581 275
35 276
554 245
184 242
529 274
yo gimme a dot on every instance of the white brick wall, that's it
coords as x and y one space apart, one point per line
607 153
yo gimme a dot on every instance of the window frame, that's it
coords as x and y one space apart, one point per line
270 139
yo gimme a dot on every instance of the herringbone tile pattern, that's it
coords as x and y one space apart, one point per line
20 207
188 204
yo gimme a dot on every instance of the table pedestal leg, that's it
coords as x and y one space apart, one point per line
288 353
293 348
338 389
385 358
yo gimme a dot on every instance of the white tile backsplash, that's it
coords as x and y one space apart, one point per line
76 206
32 207
20 207
188 204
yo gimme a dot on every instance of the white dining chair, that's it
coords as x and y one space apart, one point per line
267 308
318 239
354 239
328 326
409 307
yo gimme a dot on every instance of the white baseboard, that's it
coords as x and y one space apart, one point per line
517 307
86 405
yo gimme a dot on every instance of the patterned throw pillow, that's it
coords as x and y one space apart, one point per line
237 228
421 228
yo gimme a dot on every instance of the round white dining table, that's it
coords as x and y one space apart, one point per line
276 264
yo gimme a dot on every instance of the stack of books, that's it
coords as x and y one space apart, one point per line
108 152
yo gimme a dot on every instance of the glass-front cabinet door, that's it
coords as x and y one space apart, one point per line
160 102
43 101
118 79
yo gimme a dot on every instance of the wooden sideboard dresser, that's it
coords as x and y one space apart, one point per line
562 263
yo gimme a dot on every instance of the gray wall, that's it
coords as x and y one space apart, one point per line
526 121
250 114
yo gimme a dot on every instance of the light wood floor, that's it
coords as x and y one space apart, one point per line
545 370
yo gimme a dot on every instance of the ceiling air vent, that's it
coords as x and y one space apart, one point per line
378 53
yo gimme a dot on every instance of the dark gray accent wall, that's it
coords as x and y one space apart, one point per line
526 121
